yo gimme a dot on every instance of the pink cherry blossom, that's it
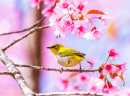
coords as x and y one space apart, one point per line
48 11
113 53
99 83
109 68
82 79
101 76
52 2
91 84
68 25
94 89
59 33
64 27
96 32
108 88
88 35
122 67
105 18
79 30
35 3
113 88
63 84
117 80
105 89
54 21
74 15
63 4
81 5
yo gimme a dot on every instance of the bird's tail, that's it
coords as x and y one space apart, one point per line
87 61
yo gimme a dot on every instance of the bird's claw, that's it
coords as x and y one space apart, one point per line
80 70
61 70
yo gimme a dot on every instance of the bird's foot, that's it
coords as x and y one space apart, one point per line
61 70
80 70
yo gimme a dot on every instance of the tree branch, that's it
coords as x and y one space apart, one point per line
24 36
18 77
8 73
53 69
71 93
26 29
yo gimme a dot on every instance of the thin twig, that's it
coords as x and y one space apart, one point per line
26 29
24 36
53 69
8 73
107 60
71 93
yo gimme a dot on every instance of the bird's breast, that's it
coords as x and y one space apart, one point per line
66 59
62 60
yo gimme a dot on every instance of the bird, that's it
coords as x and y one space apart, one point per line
67 57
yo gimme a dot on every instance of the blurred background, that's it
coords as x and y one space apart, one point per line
18 14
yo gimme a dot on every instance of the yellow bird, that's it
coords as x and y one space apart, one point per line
67 57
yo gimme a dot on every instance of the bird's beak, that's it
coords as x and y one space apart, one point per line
49 47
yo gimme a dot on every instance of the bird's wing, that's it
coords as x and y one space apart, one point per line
70 52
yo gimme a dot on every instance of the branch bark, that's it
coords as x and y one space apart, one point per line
24 30
71 93
8 73
24 36
18 77
53 69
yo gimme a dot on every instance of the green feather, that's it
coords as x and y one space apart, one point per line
70 52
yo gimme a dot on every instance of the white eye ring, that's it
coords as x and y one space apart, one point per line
55 46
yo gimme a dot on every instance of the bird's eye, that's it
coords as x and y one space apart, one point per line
55 46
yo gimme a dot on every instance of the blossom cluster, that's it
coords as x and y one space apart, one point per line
79 82
115 72
87 82
73 17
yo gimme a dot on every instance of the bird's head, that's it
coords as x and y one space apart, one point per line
55 48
